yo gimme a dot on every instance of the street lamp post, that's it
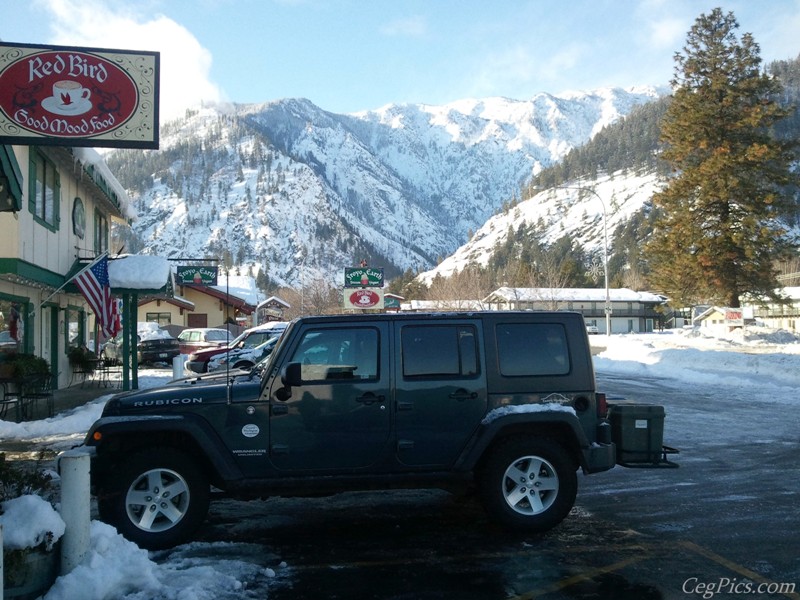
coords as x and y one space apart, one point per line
605 248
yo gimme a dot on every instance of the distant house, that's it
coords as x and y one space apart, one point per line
781 316
720 319
631 312
442 305
232 300
271 309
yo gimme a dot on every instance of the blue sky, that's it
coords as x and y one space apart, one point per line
348 55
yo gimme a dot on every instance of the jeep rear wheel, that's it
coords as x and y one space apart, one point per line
157 498
529 484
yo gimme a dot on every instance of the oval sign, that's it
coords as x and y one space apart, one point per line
364 299
67 94
250 430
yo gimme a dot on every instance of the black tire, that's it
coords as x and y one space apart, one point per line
156 498
528 484
245 364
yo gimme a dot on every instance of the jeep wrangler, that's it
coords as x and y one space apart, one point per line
503 401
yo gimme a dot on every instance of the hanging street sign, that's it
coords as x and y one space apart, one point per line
74 96
197 275
363 277
364 298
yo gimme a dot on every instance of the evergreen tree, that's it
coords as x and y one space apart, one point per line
721 219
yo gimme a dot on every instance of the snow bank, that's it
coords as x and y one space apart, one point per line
765 357
28 521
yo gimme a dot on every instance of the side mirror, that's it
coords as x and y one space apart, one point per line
290 377
291 374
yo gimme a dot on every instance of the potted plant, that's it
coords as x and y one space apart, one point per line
22 366
30 557
81 359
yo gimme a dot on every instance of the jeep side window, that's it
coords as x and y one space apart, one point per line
527 349
439 351
330 354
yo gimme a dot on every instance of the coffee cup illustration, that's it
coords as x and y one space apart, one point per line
70 92
69 98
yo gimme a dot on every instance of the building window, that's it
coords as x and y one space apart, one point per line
75 328
44 190
100 232
162 318
12 325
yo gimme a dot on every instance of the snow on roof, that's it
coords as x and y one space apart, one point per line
241 286
439 305
139 272
572 295
92 157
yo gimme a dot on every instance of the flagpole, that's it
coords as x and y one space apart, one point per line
63 285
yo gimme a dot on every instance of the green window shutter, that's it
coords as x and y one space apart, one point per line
32 180
57 202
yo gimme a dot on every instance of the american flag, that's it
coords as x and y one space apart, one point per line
93 283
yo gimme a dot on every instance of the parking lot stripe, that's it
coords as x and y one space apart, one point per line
736 568
585 576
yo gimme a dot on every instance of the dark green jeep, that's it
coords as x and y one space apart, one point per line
505 401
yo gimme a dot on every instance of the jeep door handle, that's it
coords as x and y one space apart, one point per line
463 394
369 399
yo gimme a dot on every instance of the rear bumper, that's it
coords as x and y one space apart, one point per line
196 366
149 356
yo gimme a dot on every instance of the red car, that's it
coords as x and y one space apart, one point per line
192 340
250 338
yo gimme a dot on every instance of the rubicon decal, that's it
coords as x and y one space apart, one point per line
69 95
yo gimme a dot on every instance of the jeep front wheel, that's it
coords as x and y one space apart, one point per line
529 484
157 499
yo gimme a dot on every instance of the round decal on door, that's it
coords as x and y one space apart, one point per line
250 431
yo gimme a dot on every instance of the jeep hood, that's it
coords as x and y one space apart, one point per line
183 395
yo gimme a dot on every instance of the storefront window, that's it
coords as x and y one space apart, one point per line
12 325
162 318
100 232
45 190
75 332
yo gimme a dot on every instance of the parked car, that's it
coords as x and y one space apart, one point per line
501 402
153 345
242 358
249 339
592 330
192 340
7 343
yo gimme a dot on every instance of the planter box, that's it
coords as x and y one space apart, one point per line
33 576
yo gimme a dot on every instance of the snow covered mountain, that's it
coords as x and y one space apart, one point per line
298 192
574 211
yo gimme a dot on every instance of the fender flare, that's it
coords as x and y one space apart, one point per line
518 423
214 450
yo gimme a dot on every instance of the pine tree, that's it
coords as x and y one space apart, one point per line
721 218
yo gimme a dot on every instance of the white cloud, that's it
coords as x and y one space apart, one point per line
519 68
667 33
185 63
409 27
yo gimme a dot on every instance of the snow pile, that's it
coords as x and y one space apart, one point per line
752 354
28 521
117 568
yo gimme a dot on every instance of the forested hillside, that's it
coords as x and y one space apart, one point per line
629 148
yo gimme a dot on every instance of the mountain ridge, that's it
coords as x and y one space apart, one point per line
291 190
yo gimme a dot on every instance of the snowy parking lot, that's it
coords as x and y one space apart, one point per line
723 523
